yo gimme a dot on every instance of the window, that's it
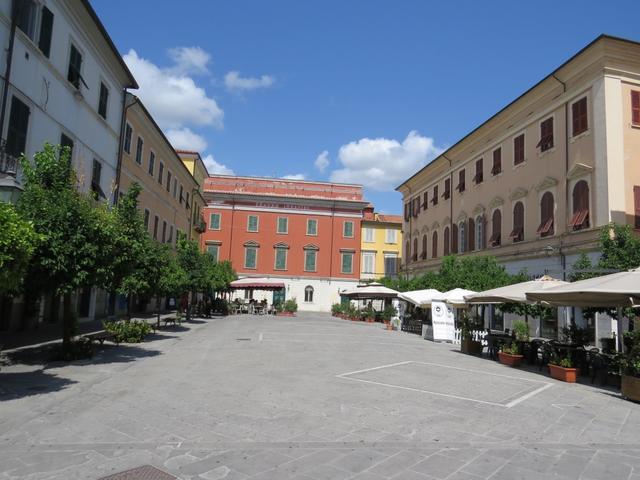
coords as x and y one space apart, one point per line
46 30
454 238
407 211
152 163
461 181
128 132
518 149
546 215
434 245
186 202
252 223
391 235
26 17
407 251
66 142
462 236
212 250
369 235
170 240
75 68
18 125
447 247
580 218
312 226
390 264
480 232
168 181
147 214
478 177
283 225
414 255
281 258
546 135
164 231
104 100
347 262
139 146
347 230
96 174
434 200
160 173
471 235
579 117
423 254
636 204
368 262
308 294
517 234
181 197
497 162
310 259
175 189
156 220
496 228
635 107
416 206
214 221
250 257
447 189
425 200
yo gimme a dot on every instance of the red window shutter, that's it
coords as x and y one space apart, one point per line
425 200
518 149
636 202
446 241
435 195
454 238
471 236
497 161
579 114
635 107
434 245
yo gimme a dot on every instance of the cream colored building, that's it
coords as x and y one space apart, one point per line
166 200
193 161
534 183
381 244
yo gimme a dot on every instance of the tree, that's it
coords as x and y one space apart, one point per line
620 248
77 244
18 241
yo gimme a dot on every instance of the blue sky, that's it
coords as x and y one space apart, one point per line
358 91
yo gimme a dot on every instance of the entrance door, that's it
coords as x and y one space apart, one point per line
278 296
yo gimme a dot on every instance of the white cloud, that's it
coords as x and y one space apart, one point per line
216 168
380 163
295 176
189 60
185 139
233 81
173 98
322 161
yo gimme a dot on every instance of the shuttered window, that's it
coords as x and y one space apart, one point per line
546 215
310 260
497 162
479 176
461 181
103 101
18 125
75 67
348 230
518 149
447 189
139 147
425 200
414 255
252 221
312 226
454 238
579 116
250 257
211 250
635 107
283 225
636 203
281 258
546 135
446 241
517 234
214 221
425 240
347 262
46 29
434 200
434 245
496 229
580 218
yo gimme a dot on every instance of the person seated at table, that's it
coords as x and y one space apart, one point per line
263 302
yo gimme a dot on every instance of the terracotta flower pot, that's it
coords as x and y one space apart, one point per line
568 375
510 360
631 388
389 326
371 320
472 347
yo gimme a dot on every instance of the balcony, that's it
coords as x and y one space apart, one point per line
200 225
8 163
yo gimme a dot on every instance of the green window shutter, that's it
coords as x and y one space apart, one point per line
214 221
312 227
252 223
348 229
250 257
347 262
283 224
310 260
212 250
281 258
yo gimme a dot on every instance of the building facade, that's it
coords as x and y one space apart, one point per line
166 200
305 233
534 184
63 83
194 163
381 245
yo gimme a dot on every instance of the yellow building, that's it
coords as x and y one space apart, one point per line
193 161
381 244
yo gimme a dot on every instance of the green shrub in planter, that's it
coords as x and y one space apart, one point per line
128 331
521 330
290 306
336 309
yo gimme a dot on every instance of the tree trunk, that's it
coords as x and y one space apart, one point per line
158 309
129 297
67 320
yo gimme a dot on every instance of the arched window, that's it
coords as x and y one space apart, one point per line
423 255
462 237
580 217
446 241
434 245
308 293
480 232
471 235
454 238
414 255
546 215
407 251
496 229
517 234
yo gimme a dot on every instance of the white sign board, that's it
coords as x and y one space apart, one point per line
443 323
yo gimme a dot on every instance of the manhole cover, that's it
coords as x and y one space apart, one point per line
146 472
244 339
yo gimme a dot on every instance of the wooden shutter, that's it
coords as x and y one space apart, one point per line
46 29
454 238
17 130
435 195
518 149
635 107
579 116
415 249
424 246
461 182
434 245
446 241
636 203
425 200
407 212
471 235
447 188
478 178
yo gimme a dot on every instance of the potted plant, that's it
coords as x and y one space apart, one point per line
289 308
467 343
337 309
510 355
387 314
563 370
368 314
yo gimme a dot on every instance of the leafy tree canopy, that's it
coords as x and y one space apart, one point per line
18 241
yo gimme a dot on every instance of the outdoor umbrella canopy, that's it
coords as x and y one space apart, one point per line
454 297
516 293
370 291
257 284
620 289
420 298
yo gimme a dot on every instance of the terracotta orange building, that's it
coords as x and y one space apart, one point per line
305 233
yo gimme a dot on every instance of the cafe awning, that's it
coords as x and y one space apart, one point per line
454 297
370 291
516 293
420 298
250 283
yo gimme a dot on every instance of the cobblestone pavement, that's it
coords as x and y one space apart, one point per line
261 397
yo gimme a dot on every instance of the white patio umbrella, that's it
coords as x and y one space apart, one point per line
370 291
420 298
454 297
516 293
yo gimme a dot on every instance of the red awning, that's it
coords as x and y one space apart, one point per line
256 284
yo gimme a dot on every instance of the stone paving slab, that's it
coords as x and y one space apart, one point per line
200 404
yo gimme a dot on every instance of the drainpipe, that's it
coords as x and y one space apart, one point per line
14 16
123 121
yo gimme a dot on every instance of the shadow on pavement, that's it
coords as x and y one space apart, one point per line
14 385
102 354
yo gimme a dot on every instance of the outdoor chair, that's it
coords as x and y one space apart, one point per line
546 353
581 360
598 365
